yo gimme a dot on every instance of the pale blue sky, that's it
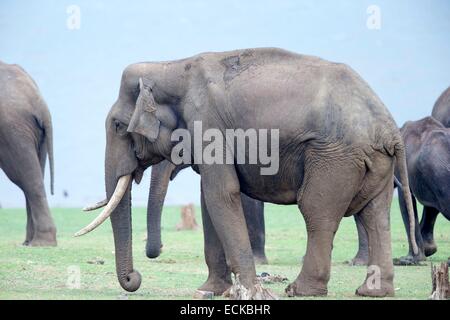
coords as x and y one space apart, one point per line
406 62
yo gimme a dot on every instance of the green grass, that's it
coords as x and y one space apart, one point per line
42 273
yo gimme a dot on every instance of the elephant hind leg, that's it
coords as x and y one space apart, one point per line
410 259
24 169
427 230
30 226
362 256
375 219
43 225
323 201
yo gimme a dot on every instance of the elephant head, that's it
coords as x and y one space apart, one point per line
138 131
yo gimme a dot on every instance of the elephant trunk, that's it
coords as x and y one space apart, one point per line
128 278
158 189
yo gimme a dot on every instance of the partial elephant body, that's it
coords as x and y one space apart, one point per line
162 173
26 139
427 151
427 144
337 148
441 109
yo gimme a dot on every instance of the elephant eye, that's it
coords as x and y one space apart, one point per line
120 127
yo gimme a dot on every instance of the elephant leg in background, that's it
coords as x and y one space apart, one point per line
427 222
30 226
322 208
254 216
362 256
410 259
375 219
32 184
220 187
219 276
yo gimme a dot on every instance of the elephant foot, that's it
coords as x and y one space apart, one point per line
384 289
410 260
429 248
260 259
358 261
47 239
302 289
42 243
26 243
216 286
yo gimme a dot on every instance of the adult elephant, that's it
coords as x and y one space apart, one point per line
26 139
441 109
333 141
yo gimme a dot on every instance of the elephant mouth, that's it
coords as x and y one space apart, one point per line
138 174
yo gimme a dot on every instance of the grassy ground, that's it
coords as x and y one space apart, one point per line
43 273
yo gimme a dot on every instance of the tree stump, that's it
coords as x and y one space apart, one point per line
188 221
258 292
439 276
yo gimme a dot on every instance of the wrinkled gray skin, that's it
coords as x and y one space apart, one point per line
441 109
418 141
338 147
25 141
164 172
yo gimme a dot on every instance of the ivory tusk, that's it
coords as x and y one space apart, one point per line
96 206
121 188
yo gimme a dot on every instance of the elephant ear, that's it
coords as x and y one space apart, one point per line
144 120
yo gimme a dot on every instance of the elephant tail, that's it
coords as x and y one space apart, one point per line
48 130
404 187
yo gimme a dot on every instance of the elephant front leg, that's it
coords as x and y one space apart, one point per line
380 275
219 274
221 192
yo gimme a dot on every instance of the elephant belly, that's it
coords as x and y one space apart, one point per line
279 188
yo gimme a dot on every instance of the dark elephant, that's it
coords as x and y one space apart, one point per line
427 144
334 144
441 109
26 139
165 171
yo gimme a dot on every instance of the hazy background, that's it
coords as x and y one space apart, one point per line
406 62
